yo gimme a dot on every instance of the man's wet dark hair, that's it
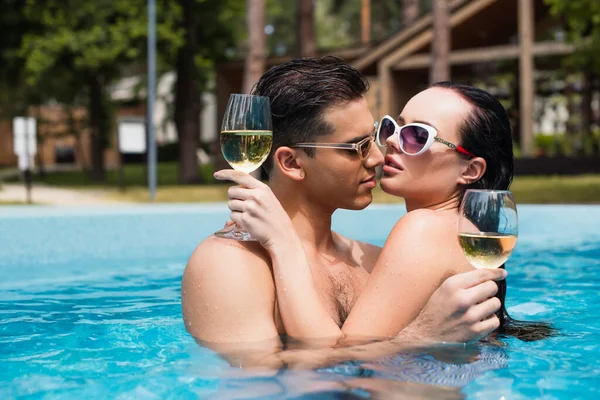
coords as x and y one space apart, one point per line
301 91
486 132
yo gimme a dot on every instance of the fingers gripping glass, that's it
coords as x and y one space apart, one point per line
246 138
363 147
414 139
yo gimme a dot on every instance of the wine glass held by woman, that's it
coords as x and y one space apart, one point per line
487 227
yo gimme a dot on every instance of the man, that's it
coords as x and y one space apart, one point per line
228 289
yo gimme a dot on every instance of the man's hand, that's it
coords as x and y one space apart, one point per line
461 310
255 208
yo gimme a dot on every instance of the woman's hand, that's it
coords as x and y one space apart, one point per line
461 310
255 208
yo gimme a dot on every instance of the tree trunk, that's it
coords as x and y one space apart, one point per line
97 116
516 106
254 66
570 126
586 110
365 22
187 100
306 29
410 11
440 48
595 115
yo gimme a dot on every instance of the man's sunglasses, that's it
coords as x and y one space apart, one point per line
363 147
414 139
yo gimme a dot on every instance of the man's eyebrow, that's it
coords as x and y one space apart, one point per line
359 138
402 121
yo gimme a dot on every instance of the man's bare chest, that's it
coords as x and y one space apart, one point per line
339 286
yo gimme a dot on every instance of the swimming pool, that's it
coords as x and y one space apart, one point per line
90 306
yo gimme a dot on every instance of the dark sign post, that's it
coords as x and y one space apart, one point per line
151 91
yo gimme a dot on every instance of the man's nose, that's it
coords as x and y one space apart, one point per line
375 157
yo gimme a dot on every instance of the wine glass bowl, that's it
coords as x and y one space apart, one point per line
487 227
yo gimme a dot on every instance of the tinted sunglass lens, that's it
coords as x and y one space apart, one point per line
364 148
386 130
413 139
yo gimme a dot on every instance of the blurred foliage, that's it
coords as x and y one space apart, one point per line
526 189
582 19
134 176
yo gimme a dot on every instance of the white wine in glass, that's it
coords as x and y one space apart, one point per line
246 138
487 227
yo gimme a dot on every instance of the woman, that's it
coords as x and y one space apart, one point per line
450 138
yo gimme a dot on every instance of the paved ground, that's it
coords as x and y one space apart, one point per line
41 194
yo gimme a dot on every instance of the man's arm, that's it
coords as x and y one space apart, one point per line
227 293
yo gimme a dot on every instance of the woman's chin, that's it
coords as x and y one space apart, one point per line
388 185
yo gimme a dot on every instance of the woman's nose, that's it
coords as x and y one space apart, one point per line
392 141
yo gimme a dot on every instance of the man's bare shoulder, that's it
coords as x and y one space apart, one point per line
367 253
224 279
224 257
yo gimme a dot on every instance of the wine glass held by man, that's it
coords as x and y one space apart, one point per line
246 138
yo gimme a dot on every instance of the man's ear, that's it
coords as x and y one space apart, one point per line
289 162
473 171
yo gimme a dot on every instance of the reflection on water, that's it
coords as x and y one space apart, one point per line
98 335
90 307
432 372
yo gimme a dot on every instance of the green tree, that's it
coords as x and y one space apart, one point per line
582 20
89 43
211 30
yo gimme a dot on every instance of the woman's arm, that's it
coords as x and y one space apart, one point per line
420 253
255 208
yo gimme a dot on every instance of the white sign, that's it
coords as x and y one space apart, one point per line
132 136
26 163
25 141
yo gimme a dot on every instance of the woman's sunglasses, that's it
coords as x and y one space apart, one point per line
363 147
414 139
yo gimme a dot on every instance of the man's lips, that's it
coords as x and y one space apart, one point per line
391 163
369 179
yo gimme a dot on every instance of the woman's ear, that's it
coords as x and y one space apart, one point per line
289 162
473 171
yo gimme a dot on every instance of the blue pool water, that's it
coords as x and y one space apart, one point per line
90 306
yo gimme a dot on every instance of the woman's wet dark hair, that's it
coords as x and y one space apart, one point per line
486 132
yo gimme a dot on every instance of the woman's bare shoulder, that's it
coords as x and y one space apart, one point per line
418 222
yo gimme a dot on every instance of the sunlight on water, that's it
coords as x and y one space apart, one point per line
90 306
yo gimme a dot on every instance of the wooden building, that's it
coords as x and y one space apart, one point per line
520 32
519 36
